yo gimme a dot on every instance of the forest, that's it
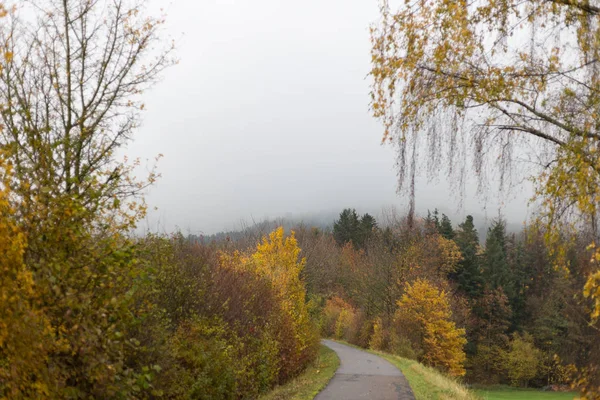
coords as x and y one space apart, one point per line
497 312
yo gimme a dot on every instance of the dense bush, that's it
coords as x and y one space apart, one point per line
231 307
522 360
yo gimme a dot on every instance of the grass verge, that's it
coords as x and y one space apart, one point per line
311 381
508 393
428 383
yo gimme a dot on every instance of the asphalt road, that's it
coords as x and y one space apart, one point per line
363 375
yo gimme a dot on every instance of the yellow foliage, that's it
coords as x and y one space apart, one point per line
427 311
450 254
522 360
338 317
277 258
592 290
379 337
448 73
24 330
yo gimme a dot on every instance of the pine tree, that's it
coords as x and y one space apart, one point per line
496 271
467 276
367 225
445 228
488 335
346 228
519 278
349 228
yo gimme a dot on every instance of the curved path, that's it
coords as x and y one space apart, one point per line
363 375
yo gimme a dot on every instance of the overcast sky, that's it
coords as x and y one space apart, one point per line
267 115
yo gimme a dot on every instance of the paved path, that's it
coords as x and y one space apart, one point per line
363 375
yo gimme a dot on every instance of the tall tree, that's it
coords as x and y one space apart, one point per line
424 314
495 266
468 275
432 222
488 335
520 280
69 100
367 225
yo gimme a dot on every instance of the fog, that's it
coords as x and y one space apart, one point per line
267 115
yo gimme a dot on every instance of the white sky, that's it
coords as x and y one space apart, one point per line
267 115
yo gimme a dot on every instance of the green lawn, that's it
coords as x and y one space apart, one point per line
506 393
311 381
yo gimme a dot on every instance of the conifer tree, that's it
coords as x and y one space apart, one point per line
468 275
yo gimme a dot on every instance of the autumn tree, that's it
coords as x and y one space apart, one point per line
522 360
25 335
278 258
424 316
502 80
69 99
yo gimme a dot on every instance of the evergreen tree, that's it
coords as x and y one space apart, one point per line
367 225
445 228
496 271
350 228
467 276
488 335
346 228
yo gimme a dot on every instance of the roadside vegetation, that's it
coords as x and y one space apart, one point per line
87 309
310 382
428 383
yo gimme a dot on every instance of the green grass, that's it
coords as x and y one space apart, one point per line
311 381
508 393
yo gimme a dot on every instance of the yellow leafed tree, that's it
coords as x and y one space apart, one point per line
277 257
424 315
